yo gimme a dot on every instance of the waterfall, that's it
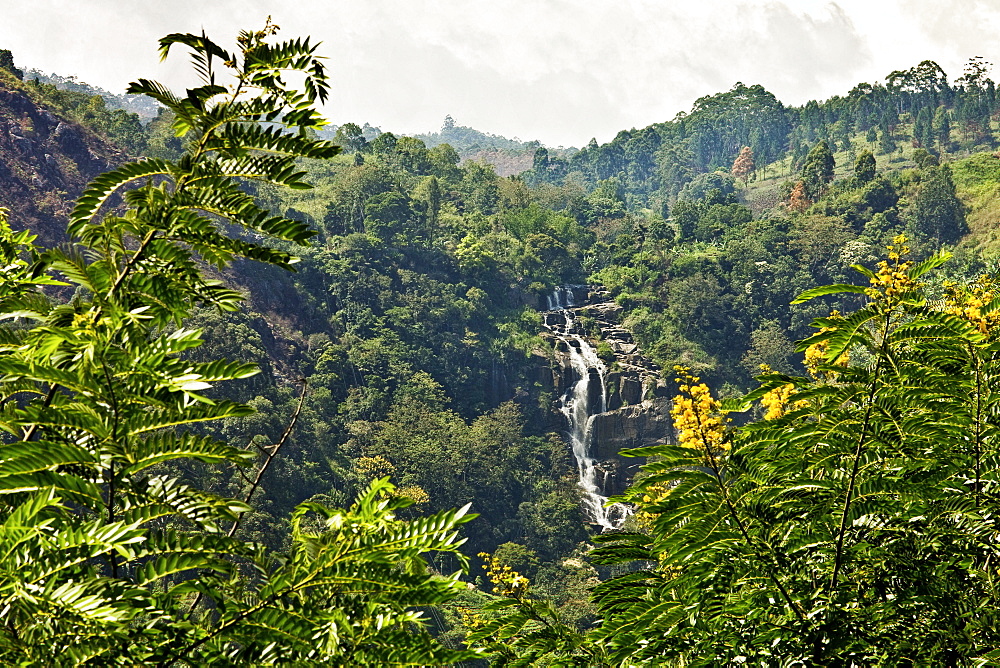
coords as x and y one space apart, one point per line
561 298
584 399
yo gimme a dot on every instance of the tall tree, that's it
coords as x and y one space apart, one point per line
797 199
938 213
942 128
350 137
864 167
817 172
743 166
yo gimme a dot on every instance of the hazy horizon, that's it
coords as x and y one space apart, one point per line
556 71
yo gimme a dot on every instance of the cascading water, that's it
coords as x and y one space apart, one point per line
561 298
584 399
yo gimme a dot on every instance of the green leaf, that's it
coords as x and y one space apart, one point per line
828 290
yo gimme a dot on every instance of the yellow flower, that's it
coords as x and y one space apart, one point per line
655 493
506 581
817 353
968 302
776 401
414 493
892 281
374 467
698 418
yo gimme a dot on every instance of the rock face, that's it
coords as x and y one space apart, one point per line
636 401
45 162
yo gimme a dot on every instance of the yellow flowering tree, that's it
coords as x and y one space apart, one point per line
855 524
520 629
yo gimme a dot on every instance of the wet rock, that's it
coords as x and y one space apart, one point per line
640 425
637 402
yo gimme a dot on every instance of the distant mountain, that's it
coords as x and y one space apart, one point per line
468 141
145 107
508 156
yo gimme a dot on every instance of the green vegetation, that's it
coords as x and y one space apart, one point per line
122 127
164 505
106 553
853 525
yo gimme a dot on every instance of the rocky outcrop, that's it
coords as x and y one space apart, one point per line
45 162
636 399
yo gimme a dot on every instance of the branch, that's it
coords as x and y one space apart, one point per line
260 472
273 453
731 507
855 468
30 433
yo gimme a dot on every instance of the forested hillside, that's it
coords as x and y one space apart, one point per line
390 292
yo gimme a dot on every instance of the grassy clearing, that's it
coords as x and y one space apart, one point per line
977 181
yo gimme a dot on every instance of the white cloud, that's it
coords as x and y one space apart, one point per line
556 70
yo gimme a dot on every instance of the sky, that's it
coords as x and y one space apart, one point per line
559 71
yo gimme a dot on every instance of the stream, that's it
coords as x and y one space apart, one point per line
585 398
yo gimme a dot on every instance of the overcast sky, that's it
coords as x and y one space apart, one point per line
560 71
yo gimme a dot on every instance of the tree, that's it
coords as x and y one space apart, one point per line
540 161
7 63
700 186
976 75
413 155
388 215
444 163
864 167
769 347
384 145
743 166
942 128
937 211
923 130
887 143
685 215
107 555
817 172
351 137
797 200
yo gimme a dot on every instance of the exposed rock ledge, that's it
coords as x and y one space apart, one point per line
637 398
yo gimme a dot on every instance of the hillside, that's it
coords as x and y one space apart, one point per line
46 160
467 314
140 105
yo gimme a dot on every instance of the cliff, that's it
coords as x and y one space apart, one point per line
636 400
45 161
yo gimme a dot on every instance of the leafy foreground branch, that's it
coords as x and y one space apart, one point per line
103 552
855 525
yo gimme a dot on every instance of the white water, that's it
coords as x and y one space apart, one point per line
576 404
561 298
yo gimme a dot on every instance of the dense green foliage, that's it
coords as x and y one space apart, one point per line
854 525
123 127
106 554
164 505
916 105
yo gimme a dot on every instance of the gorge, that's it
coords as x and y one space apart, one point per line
610 395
